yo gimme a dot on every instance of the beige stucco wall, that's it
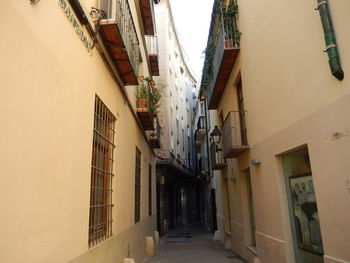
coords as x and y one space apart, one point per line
49 81
291 100
283 63
130 243
328 164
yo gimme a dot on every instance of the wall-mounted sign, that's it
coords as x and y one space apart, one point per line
78 29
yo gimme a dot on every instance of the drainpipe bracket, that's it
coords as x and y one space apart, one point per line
321 3
329 47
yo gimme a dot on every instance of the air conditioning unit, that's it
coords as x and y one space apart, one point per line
109 7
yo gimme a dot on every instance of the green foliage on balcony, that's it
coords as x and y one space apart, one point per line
224 21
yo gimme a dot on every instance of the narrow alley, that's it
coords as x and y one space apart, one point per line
175 131
192 244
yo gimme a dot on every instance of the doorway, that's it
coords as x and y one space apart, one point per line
213 209
302 205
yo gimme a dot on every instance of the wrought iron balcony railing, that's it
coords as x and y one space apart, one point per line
201 130
203 166
201 123
217 160
153 53
119 35
234 134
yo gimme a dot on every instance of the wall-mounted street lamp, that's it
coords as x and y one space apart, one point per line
215 136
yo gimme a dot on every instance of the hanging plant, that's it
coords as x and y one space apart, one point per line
208 68
227 18
155 96
153 136
141 94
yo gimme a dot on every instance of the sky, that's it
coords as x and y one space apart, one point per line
192 18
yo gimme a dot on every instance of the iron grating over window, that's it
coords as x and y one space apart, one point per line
100 221
137 185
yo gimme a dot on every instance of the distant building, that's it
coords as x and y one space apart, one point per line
280 168
175 162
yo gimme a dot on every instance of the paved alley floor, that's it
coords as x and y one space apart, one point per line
191 244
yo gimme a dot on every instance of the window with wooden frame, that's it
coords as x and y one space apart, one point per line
137 185
150 190
100 219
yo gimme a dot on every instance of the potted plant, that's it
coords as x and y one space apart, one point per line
141 94
152 136
228 22
155 96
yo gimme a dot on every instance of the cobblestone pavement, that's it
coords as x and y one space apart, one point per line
191 244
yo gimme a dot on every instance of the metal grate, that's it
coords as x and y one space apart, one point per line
100 222
137 185
119 11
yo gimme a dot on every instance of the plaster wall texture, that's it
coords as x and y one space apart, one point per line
129 243
292 101
328 164
285 72
49 82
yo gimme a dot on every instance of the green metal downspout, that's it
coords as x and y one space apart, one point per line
331 43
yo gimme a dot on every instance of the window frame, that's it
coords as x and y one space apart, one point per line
101 203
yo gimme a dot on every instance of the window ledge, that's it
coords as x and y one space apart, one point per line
252 249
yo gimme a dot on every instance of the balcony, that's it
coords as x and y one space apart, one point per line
118 33
147 13
144 106
153 54
201 130
234 135
222 51
154 137
217 160
203 167
197 143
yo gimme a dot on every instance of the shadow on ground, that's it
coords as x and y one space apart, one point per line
191 244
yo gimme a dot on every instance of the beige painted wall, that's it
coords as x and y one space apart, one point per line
129 243
49 81
291 100
328 165
283 63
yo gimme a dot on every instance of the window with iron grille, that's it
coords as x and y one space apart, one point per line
150 190
100 221
137 185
